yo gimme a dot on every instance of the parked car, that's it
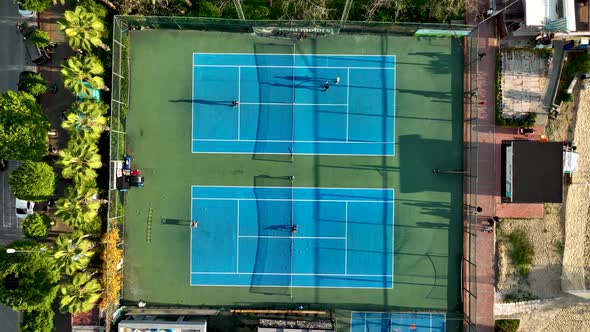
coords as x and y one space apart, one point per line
38 55
23 208
3 164
25 12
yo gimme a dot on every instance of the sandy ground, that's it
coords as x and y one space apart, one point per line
577 206
565 315
551 271
545 274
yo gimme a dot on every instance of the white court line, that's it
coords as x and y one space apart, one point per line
281 141
239 94
304 67
347 99
349 154
346 238
288 200
293 237
271 187
304 55
190 248
297 274
238 238
293 104
285 286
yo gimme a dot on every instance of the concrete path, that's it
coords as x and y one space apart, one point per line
554 72
487 186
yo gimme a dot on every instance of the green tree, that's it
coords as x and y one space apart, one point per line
36 226
33 181
72 253
23 127
40 320
40 38
79 207
578 65
34 84
79 160
78 70
35 5
87 119
80 295
28 280
83 29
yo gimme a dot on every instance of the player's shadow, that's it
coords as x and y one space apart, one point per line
176 222
305 78
279 227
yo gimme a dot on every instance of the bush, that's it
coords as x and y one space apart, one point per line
35 5
521 251
518 296
526 121
30 279
507 325
34 84
33 181
578 65
36 226
40 38
37 321
563 96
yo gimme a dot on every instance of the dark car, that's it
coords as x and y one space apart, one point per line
3 164
38 55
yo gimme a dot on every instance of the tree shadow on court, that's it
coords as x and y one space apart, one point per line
436 96
419 156
438 63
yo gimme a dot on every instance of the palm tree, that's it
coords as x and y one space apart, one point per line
79 206
72 253
80 295
82 28
78 123
79 160
78 70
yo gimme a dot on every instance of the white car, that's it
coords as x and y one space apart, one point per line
25 12
23 208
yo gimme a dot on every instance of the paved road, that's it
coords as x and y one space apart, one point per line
13 60
13 57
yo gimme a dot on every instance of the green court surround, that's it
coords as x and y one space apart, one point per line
428 232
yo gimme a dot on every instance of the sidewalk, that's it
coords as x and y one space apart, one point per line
487 186
54 104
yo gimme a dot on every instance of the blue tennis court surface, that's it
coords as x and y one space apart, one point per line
344 237
283 108
396 322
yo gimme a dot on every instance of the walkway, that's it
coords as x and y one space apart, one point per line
487 185
55 104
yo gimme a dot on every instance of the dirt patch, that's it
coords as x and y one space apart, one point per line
566 315
543 280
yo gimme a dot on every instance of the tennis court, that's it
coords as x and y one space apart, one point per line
397 322
292 237
293 104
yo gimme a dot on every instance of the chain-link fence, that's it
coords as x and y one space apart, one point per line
470 181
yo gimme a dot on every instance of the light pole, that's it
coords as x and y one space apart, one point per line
12 250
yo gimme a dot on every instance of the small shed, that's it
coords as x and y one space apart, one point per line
532 171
